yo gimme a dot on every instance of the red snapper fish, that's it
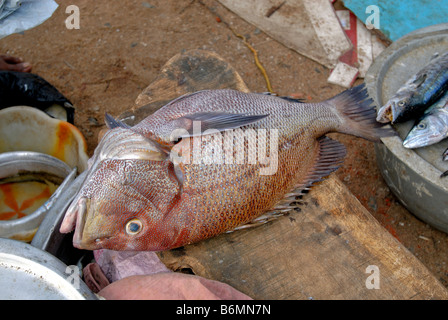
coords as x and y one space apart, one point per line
210 162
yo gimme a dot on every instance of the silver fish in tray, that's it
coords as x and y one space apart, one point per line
431 128
418 93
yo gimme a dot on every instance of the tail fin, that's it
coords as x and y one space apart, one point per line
359 117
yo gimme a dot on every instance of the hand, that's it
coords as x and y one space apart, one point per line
9 63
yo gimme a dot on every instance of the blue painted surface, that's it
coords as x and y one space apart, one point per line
398 18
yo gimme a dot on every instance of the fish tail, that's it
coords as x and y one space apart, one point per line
358 115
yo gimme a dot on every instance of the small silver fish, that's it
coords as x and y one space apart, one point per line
431 128
418 93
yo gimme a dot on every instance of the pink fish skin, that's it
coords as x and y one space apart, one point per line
148 189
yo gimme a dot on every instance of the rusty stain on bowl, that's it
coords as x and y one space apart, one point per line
19 199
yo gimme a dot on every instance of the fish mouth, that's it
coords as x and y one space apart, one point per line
69 222
390 112
385 114
75 219
418 142
412 143
83 237
72 215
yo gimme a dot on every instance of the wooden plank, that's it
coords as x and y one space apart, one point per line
186 72
324 251
310 27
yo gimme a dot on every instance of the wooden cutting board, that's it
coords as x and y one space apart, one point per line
331 249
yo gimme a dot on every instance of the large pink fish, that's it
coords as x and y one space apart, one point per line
210 162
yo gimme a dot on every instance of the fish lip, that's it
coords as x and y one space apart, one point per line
80 240
416 142
80 222
69 222
410 144
83 244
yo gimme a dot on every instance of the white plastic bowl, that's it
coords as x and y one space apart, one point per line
25 128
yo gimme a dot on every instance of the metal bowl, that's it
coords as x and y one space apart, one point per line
413 175
33 163
29 273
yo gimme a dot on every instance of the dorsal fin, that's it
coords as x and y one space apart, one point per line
215 120
287 98
330 157
291 99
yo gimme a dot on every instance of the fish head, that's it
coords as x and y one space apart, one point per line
427 131
122 206
394 109
122 195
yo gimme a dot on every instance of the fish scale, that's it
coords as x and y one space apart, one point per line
135 198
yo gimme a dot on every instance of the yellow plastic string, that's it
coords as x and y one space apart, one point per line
257 61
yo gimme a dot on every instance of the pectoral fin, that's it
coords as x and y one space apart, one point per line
126 143
420 80
215 120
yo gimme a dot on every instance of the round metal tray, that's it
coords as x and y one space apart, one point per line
413 175
28 273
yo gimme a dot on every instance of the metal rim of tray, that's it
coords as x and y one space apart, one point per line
28 273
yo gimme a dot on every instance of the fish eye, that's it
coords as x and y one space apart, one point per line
134 226
421 126
401 103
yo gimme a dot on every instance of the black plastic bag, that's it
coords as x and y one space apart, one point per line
27 89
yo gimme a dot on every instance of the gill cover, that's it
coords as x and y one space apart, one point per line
120 142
